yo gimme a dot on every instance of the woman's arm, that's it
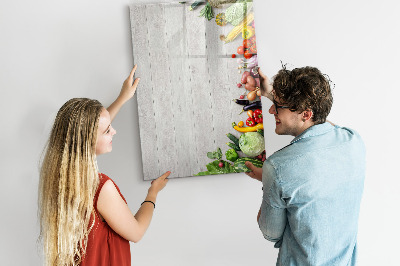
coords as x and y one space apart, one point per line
127 92
119 217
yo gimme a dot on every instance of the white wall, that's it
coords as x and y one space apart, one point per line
51 51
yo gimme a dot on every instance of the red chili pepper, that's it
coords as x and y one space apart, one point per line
258 117
250 122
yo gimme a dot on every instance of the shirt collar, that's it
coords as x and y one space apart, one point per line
314 131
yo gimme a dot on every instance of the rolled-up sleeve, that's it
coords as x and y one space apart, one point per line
273 219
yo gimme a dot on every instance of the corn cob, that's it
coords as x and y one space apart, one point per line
238 29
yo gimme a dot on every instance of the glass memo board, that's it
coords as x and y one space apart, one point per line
188 79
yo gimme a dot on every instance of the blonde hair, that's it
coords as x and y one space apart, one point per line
68 182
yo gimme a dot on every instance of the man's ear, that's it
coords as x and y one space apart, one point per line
306 115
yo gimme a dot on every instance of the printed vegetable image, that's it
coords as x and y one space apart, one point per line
244 76
240 165
258 117
196 4
235 142
233 138
214 168
250 122
254 72
233 146
252 143
238 29
247 32
207 12
215 155
231 155
250 44
252 62
220 19
240 50
247 129
251 106
242 102
218 3
252 95
237 12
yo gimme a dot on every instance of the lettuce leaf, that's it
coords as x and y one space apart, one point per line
214 169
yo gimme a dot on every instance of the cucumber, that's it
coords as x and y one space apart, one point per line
240 167
233 138
233 146
196 4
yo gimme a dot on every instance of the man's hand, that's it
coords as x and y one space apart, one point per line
129 86
255 173
265 85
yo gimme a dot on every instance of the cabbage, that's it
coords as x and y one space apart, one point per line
252 143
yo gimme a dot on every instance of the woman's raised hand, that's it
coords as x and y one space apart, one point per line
158 184
129 86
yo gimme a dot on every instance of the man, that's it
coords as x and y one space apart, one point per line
312 187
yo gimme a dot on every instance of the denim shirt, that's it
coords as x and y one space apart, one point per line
311 197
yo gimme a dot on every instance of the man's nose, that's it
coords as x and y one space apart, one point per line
272 110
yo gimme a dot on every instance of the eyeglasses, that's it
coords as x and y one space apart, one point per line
278 106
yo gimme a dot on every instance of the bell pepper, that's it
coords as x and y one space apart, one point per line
231 155
250 122
248 129
258 117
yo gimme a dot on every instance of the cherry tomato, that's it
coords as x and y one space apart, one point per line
241 124
240 50
233 55
247 54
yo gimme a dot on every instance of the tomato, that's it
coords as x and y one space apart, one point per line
250 44
240 50
247 54
233 55
246 43
241 124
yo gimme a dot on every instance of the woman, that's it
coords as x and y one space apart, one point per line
84 219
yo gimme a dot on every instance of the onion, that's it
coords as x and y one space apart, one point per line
251 96
252 62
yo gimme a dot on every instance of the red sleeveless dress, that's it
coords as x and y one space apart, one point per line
105 247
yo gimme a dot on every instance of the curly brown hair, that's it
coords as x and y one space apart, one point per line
304 88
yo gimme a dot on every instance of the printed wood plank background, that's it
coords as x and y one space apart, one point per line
187 82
